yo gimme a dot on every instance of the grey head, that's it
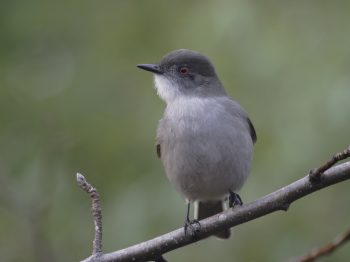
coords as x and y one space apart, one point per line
185 73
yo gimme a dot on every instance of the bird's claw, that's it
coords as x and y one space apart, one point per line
192 227
234 200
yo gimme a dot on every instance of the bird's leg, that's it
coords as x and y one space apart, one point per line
193 226
234 200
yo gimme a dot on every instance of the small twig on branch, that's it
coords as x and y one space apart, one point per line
315 174
97 216
96 213
325 250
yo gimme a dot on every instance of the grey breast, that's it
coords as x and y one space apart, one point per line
206 146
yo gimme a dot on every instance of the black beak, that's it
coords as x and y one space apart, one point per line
151 67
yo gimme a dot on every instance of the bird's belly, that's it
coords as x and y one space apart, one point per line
206 165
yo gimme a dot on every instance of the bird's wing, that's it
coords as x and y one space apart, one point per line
237 110
158 150
251 131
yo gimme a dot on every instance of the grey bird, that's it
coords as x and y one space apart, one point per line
205 138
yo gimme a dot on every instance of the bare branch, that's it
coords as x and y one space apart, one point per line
315 174
278 200
96 213
325 250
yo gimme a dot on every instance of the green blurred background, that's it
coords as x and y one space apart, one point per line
72 100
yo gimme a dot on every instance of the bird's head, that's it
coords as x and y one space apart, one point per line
184 73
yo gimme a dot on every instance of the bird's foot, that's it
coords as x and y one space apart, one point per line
234 200
192 227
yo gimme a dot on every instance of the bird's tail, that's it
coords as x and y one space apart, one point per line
210 208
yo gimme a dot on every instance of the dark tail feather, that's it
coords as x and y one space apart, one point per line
207 209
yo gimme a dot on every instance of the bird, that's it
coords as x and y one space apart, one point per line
204 139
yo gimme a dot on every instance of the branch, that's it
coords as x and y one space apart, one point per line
315 174
96 213
278 200
325 250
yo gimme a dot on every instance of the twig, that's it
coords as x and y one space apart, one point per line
278 200
325 250
96 213
315 174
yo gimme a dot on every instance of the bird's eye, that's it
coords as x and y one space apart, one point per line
183 70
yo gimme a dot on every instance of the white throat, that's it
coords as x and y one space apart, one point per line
168 91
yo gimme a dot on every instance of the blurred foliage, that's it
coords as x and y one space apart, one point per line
72 100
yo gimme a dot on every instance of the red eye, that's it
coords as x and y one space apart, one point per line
184 70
